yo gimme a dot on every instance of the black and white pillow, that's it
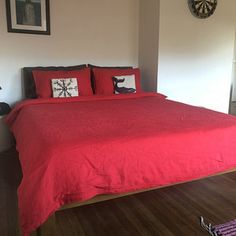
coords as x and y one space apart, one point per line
63 88
124 84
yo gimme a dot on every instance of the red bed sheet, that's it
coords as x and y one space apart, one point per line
73 149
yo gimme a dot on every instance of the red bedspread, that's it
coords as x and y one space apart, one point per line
73 149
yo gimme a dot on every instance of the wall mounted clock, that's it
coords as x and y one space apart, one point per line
202 8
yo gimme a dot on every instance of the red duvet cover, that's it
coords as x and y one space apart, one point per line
73 149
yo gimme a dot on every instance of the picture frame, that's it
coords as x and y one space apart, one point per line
28 16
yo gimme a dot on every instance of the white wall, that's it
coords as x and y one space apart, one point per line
195 55
102 32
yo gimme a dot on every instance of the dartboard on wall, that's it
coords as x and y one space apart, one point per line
202 8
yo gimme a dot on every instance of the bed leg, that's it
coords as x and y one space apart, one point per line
48 228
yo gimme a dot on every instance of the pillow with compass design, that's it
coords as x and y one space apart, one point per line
63 88
43 82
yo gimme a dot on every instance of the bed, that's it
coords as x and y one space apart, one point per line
74 149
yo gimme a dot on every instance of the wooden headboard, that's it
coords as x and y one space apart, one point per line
28 80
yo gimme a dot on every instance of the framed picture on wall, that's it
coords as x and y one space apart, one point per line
28 16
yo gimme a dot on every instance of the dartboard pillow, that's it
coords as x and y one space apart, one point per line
124 84
63 88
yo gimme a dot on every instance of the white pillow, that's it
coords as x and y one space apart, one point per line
124 84
63 88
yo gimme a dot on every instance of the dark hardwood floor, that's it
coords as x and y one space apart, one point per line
168 211
10 176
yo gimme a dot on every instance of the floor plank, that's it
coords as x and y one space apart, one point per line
10 176
168 211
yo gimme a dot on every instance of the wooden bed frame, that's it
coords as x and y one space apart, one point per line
49 227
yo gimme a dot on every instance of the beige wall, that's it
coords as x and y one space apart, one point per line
195 55
103 32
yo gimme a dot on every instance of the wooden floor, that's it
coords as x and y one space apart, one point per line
166 212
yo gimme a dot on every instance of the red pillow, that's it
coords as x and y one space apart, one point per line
43 81
104 82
